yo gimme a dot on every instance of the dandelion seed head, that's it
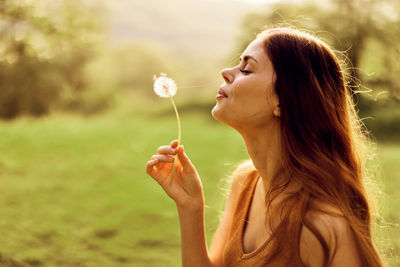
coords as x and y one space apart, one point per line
164 86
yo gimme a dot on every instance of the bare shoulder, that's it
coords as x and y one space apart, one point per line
240 173
237 181
334 229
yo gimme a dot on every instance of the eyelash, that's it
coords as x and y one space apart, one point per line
245 72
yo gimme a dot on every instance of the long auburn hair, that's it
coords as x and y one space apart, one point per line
322 140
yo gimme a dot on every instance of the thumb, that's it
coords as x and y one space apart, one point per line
184 160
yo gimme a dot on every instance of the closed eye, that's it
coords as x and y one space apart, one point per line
245 72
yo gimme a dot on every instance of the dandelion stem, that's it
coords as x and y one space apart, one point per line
179 135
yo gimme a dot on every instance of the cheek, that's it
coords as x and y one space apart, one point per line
245 86
251 90
271 95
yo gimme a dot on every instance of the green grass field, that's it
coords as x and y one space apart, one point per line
74 192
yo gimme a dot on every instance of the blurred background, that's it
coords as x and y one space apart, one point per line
79 119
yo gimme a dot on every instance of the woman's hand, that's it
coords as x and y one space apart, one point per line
186 188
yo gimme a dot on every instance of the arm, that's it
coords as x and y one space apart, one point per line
192 225
186 191
193 241
221 235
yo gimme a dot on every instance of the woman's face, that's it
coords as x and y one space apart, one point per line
247 98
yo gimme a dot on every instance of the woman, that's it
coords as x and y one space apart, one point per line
299 201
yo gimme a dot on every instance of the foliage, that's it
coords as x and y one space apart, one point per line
44 46
135 64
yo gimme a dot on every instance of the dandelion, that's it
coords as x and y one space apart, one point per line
166 87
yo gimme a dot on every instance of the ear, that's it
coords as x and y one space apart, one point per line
277 110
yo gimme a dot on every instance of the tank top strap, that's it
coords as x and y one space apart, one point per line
233 251
245 197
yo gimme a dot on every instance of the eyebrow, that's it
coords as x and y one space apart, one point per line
247 57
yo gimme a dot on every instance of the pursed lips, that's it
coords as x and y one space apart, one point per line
222 92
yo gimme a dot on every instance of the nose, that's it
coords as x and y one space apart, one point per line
227 75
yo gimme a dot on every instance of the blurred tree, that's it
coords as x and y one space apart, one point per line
138 62
44 46
367 30
129 67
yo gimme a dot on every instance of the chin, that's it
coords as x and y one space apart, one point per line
214 113
224 118
218 115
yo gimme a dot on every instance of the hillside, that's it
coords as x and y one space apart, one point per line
193 28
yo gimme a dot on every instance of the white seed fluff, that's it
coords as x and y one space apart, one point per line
164 86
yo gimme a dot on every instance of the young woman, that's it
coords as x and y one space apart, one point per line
300 200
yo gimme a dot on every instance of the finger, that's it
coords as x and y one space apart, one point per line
163 158
150 166
174 144
184 160
166 150
152 171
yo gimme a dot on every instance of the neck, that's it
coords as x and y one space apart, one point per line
264 148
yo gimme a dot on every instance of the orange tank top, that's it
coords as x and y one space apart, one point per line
234 255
